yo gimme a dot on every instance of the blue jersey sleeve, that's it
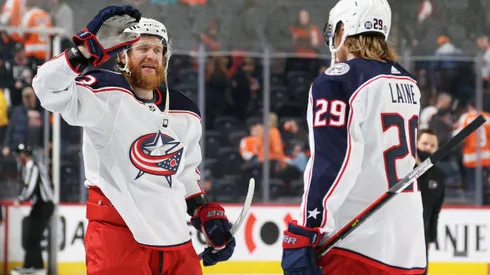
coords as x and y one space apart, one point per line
333 147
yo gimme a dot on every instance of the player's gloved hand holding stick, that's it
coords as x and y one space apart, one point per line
299 253
106 35
210 219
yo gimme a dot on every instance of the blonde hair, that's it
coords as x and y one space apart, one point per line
370 47
273 120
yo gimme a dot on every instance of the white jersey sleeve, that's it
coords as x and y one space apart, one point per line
60 91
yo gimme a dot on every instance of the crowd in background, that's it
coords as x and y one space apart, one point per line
233 139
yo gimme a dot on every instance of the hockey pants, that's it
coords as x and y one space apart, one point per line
339 264
111 249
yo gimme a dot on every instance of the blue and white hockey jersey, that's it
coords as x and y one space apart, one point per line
362 118
143 168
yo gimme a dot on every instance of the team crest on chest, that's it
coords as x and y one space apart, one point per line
156 154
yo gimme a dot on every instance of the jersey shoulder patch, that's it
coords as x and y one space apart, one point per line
99 79
338 69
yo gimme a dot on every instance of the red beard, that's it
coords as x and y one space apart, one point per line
145 81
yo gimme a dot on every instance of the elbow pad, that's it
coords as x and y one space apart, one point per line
194 203
76 60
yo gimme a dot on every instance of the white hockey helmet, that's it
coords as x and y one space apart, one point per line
358 16
148 26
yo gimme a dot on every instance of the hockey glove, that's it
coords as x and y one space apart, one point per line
213 223
299 256
105 35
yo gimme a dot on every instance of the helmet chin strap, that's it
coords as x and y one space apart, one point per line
126 65
166 112
333 50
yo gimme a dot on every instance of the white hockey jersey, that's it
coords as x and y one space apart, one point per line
362 118
145 170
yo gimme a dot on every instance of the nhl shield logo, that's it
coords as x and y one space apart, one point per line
156 154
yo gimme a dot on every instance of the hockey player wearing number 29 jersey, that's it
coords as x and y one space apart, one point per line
363 117
141 150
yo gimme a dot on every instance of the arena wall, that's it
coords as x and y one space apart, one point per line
463 245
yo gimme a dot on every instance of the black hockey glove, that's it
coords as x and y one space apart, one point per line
211 220
105 34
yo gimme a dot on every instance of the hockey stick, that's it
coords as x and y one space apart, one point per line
402 184
243 213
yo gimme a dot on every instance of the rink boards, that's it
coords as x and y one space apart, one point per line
463 241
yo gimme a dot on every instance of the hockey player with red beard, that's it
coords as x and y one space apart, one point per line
141 149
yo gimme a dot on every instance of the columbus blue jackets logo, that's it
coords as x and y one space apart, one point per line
156 154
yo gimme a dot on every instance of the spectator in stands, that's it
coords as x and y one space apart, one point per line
250 145
245 87
293 167
431 186
442 123
4 120
306 40
298 158
446 47
210 37
291 133
483 44
218 89
470 156
23 70
12 14
443 102
7 44
26 124
306 37
36 44
6 80
276 150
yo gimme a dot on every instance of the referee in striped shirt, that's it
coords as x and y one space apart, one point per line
39 189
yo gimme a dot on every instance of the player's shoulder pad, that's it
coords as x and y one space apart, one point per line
338 69
99 79
336 81
339 72
180 102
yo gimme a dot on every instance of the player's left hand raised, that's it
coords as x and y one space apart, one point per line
299 255
106 35
211 220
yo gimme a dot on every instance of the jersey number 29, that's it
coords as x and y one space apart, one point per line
330 113
403 148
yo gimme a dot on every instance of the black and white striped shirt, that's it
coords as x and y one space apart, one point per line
37 185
